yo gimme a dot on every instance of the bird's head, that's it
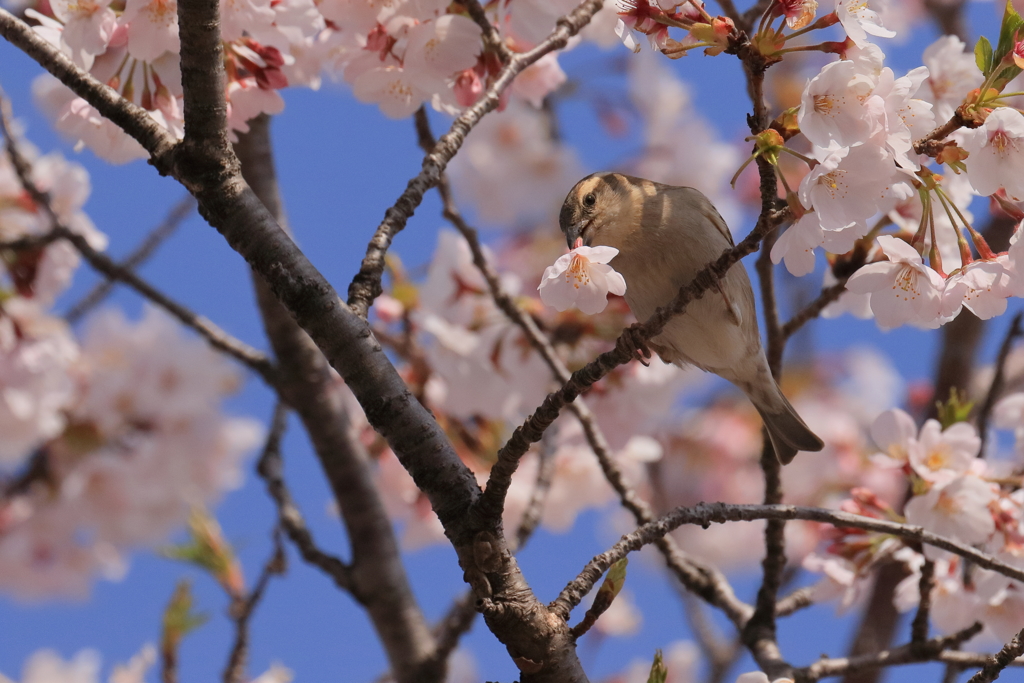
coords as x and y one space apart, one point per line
594 209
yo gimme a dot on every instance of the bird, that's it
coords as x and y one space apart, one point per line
665 235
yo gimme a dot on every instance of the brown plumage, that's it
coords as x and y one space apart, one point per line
665 235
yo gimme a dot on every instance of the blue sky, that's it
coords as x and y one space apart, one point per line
337 182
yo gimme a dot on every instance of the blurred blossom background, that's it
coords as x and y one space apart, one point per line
681 436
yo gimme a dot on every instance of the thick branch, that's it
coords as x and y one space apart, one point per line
366 285
306 383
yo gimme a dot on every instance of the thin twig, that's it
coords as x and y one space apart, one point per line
705 514
1011 651
911 653
366 285
799 599
541 486
217 337
270 468
919 627
178 213
998 380
491 36
243 608
814 308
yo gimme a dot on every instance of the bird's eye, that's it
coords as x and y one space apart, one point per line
590 199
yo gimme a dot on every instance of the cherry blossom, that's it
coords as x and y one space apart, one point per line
512 171
583 279
903 290
980 286
952 73
797 244
144 441
798 13
859 20
36 353
88 24
850 185
152 28
958 509
837 106
997 153
941 455
895 433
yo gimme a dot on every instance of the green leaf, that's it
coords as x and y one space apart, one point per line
659 672
179 618
613 582
956 409
1012 24
983 55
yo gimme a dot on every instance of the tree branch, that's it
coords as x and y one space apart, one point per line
243 608
1010 652
705 514
178 213
306 383
911 653
271 470
995 389
218 338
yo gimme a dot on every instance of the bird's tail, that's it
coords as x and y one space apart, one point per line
787 431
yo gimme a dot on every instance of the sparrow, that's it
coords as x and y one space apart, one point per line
666 235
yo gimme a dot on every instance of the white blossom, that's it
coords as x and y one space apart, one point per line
583 279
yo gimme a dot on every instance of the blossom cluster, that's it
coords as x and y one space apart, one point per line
955 494
108 438
398 55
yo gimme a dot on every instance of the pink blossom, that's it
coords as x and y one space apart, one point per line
952 73
88 24
36 388
798 13
837 106
858 20
152 28
539 80
997 154
903 290
895 433
957 510
797 243
941 455
850 185
980 286
583 279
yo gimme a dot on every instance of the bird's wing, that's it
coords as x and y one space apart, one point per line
711 213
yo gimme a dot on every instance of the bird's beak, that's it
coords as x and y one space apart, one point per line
572 232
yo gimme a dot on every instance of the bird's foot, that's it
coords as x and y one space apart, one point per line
635 343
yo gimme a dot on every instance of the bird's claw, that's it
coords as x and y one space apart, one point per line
636 343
